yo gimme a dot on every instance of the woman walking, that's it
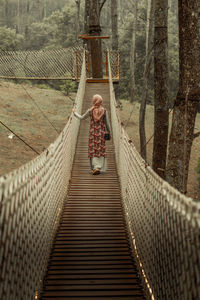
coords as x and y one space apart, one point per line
99 125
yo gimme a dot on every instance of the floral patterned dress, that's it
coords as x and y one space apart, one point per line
97 147
96 143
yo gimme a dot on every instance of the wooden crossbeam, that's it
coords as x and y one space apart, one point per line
92 37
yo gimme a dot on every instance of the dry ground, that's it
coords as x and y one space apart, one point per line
133 131
21 114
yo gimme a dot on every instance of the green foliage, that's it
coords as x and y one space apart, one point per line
68 86
56 31
198 170
9 39
40 26
125 33
54 26
44 86
38 35
65 86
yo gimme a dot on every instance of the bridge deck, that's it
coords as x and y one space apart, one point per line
91 256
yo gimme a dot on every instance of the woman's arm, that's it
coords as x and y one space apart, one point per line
107 123
82 117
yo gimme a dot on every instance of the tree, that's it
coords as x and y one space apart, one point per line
9 40
114 21
78 3
188 96
161 105
95 44
92 12
147 69
132 53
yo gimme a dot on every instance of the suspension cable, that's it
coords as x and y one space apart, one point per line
39 108
153 133
127 121
21 139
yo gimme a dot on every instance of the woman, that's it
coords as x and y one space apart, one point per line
99 125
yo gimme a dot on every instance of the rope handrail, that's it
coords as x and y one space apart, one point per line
31 200
164 224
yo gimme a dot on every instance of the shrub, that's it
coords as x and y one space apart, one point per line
9 39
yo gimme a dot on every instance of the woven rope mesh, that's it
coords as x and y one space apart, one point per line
164 225
50 64
44 64
31 200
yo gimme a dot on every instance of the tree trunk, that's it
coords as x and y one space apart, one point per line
7 17
37 10
78 3
114 20
188 97
161 87
147 69
18 16
45 9
132 54
95 44
86 23
86 18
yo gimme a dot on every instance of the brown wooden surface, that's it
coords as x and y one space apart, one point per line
91 256
92 37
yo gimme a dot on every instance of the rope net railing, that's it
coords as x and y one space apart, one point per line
42 64
114 63
31 200
164 225
52 64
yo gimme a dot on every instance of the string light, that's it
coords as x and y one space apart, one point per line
140 263
36 295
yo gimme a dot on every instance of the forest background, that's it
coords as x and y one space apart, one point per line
48 24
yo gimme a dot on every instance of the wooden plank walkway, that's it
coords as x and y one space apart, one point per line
91 257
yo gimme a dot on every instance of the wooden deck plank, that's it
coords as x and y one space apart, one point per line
91 256
94 293
96 297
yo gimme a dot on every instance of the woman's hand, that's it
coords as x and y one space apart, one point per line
73 110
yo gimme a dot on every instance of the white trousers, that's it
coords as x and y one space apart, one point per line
99 163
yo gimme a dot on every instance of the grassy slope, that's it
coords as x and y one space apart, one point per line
20 113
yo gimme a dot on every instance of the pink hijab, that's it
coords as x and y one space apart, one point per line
97 108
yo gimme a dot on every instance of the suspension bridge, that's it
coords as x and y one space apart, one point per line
66 234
